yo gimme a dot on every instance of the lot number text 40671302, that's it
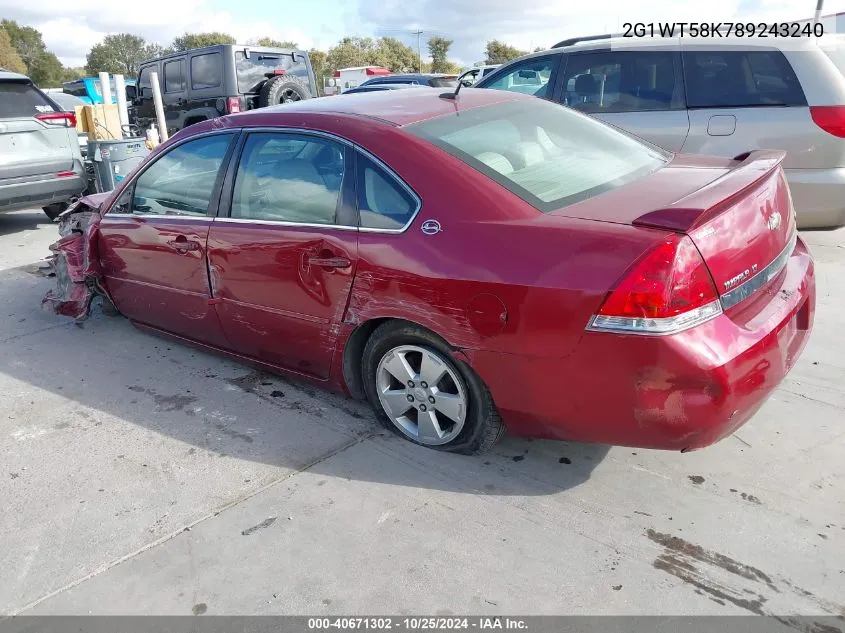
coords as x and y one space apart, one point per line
416 624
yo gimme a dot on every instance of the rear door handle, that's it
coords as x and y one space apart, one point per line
184 245
330 262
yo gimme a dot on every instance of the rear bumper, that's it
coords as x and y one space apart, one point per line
679 392
818 196
40 191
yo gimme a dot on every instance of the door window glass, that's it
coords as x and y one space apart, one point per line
174 76
181 181
206 71
289 178
382 202
621 81
736 79
529 77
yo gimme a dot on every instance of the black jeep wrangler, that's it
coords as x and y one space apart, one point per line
204 83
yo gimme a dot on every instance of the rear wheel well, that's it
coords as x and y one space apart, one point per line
353 353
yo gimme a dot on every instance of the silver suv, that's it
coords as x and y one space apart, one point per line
725 97
40 161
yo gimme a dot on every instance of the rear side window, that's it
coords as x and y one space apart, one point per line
174 76
547 155
383 203
252 72
206 71
740 79
21 99
621 81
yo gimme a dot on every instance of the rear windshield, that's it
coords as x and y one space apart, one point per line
252 72
21 99
548 155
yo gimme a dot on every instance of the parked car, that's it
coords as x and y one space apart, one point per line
69 103
40 161
423 79
724 98
471 76
89 90
205 83
466 264
378 88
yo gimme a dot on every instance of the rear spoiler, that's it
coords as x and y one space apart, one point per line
700 206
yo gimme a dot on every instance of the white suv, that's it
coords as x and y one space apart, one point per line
726 97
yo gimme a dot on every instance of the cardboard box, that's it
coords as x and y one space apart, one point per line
102 122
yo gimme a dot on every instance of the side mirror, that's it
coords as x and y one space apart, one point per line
466 83
131 93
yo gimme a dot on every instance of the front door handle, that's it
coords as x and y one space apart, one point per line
184 245
330 262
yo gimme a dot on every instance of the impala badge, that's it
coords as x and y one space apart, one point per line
774 221
430 227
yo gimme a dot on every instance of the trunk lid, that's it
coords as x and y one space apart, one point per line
29 147
742 223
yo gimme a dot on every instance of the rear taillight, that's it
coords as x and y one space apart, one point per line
666 291
61 119
829 118
233 105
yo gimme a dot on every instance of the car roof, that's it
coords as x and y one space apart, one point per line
397 107
9 75
618 41
218 47
413 76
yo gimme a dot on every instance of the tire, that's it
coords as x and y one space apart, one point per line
53 211
459 386
282 89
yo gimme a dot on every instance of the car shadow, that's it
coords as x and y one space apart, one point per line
232 410
17 221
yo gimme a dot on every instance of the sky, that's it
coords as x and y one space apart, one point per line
71 28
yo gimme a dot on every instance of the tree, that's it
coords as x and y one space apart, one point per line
351 51
321 70
9 58
47 71
72 74
438 48
271 43
26 40
498 52
198 40
393 54
117 54
154 50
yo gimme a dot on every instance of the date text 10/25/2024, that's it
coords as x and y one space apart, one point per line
417 624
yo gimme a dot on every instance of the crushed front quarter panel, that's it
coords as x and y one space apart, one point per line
74 261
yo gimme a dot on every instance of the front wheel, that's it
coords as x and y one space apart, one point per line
421 393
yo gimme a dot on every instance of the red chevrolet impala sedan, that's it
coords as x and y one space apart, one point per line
466 263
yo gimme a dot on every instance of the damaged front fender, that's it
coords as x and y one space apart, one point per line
74 261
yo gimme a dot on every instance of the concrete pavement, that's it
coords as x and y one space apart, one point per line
141 476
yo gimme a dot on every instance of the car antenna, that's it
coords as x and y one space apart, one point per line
451 95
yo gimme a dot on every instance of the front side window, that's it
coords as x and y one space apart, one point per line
621 81
289 178
174 76
738 79
528 77
382 202
181 182
547 155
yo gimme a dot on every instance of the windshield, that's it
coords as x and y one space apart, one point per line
252 72
548 155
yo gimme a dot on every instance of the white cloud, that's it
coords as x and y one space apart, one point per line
71 29
528 24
